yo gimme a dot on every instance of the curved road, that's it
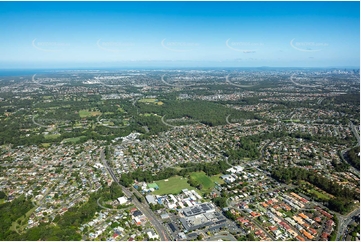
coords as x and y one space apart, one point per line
40 125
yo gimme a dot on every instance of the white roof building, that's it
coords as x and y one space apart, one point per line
122 200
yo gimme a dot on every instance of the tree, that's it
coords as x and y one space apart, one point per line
2 195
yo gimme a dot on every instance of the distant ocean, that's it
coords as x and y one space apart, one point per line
17 72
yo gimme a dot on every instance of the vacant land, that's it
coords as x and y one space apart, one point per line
73 140
51 136
320 195
87 113
173 185
151 100
148 100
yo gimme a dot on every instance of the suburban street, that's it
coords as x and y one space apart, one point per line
145 210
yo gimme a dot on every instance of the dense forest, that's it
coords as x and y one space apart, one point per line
353 157
245 147
10 212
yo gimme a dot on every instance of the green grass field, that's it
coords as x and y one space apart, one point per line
319 194
73 140
148 100
51 136
87 113
173 185
151 100
203 179
217 178
45 145
206 181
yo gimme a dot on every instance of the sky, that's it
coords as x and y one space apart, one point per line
184 34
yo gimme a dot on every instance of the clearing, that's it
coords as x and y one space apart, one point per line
86 113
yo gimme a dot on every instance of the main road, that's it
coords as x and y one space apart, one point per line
344 222
144 209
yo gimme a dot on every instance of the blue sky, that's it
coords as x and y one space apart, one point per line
240 34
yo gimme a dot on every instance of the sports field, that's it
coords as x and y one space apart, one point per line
206 181
173 185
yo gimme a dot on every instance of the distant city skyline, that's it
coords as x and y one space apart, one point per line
179 34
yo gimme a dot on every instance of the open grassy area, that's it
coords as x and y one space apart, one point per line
320 195
51 136
73 140
206 181
87 113
217 178
203 179
148 100
45 145
173 185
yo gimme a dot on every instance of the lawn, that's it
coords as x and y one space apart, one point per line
217 178
206 181
46 145
173 185
51 136
73 140
86 113
319 194
148 100
203 179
